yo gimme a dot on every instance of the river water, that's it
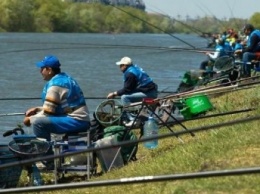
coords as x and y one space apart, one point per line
90 59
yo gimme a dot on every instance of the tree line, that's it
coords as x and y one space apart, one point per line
69 16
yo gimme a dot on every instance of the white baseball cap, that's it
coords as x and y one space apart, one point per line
125 61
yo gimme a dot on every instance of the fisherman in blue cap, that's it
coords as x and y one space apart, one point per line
63 109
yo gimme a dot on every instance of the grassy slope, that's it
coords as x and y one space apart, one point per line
230 147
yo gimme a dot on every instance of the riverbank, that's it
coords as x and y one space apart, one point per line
222 148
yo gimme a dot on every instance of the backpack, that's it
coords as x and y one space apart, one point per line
128 152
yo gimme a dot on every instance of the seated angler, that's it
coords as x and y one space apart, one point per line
137 84
222 49
250 52
63 109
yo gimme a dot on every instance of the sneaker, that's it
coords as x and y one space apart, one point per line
40 165
45 165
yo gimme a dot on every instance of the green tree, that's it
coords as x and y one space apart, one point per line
50 16
71 16
17 16
255 20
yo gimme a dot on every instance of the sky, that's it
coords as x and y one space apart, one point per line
194 8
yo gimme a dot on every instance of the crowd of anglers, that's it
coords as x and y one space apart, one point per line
245 48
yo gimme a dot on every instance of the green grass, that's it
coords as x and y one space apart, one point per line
232 147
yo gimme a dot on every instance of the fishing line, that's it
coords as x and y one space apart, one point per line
154 26
232 14
89 46
197 31
219 21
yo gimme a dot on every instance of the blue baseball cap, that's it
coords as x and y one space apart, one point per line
49 61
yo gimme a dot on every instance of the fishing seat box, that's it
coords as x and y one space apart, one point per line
109 158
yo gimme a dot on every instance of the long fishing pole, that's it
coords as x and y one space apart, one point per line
209 90
217 85
125 180
138 180
213 115
154 26
133 142
37 98
11 114
87 98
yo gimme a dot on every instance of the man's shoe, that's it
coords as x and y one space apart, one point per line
133 123
45 165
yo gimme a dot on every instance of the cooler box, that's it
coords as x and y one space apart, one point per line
109 158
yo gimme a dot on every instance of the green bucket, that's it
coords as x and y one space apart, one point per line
198 104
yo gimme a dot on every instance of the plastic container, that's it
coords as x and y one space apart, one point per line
151 129
198 104
36 176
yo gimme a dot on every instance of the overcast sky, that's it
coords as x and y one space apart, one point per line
216 8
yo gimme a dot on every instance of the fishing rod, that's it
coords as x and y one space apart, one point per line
132 142
185 94
138 180
217 85
212 115
11 114
206 90
87 98
154 26
34 98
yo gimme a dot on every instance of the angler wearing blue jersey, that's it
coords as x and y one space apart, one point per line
63 109
222 49
251 49
137 83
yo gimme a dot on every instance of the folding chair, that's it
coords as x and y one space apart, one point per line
71 142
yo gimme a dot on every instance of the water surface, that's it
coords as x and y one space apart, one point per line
90 59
